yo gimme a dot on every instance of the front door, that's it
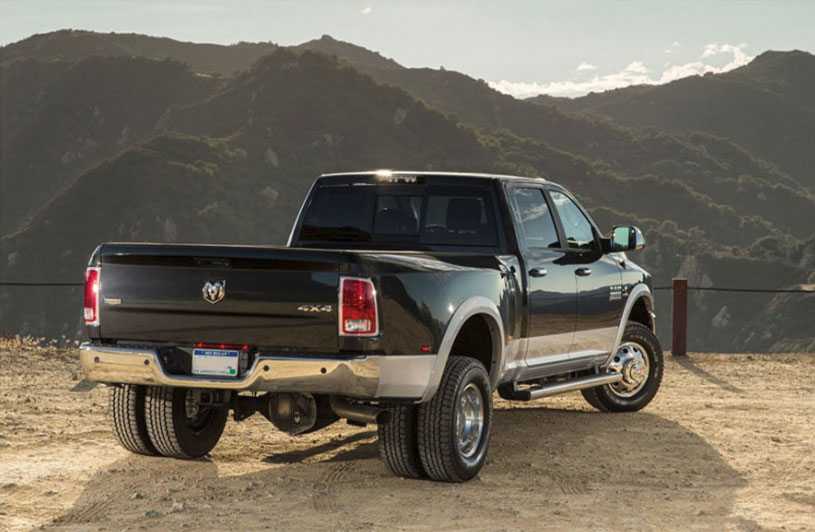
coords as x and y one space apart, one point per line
598 277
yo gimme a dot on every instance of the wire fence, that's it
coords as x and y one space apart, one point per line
42 284
748 290
699 288
679 305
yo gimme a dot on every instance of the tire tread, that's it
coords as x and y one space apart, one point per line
397 442
126 405
436 421
160 423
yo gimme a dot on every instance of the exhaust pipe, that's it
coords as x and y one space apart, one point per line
359 413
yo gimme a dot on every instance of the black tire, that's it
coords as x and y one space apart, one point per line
397 442
438 446
604 399
126 407
172 432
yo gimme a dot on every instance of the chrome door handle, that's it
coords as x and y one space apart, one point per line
538 272
583 272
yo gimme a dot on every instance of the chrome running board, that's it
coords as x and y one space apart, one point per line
511 391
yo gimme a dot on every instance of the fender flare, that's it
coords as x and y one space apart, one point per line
471 307
640 291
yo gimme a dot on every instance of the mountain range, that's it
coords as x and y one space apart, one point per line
767 107
136 138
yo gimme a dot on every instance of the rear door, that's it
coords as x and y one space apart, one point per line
550 282
265 297
598 277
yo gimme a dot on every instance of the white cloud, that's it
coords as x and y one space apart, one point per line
586 66
635 73
366 10
698 68
710 49
636 67
740 57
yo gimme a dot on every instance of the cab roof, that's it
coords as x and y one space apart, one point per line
407 173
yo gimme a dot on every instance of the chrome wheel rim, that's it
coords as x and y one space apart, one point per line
469 420
631 360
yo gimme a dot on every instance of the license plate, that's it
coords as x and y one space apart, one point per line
218 362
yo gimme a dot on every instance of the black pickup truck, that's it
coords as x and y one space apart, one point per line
403 299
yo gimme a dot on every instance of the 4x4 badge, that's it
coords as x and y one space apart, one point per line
214 291
315 308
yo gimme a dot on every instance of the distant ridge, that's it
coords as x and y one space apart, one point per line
354 55
72 45
767 107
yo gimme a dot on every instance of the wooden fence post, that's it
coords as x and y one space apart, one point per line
679 317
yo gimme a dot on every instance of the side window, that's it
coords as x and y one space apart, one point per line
532 213
577 227
453 219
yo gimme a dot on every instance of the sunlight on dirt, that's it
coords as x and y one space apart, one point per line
726 445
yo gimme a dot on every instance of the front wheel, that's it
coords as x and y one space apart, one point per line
178 426
639 359
454 427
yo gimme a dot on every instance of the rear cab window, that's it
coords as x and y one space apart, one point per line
428 213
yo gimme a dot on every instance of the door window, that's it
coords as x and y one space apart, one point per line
579 233
532 213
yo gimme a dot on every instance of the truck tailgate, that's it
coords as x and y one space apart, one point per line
272 297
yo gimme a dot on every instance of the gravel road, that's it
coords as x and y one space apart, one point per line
728 444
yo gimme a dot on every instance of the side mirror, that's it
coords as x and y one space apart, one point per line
626 238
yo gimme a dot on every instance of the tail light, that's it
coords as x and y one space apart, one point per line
358 314
92 296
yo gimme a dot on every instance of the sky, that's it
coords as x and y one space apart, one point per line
521 47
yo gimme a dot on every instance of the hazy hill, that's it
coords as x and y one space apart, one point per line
292 100
470 100
171 188
72 45
713 166
175 156
360 58
59 119
767 107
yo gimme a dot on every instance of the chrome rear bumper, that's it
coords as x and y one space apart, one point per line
402 377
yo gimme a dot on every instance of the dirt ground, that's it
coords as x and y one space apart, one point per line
728 444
